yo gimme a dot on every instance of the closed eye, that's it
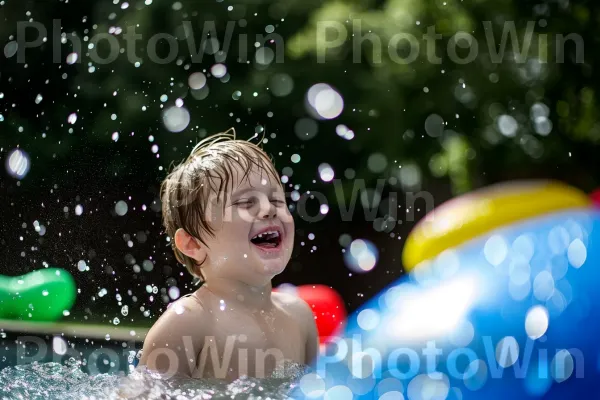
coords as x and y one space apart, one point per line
247 202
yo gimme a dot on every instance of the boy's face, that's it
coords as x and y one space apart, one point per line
256 205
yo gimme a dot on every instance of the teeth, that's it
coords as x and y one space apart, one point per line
260 235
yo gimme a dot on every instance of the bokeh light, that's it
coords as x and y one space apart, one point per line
306 128
326 172
324 102
218 70
361 256
121 208
281 85
344 132
197 80
536 322
176 119
18 164
507 125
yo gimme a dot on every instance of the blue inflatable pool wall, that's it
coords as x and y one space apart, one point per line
509 315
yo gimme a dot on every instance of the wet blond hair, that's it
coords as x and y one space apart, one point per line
187 188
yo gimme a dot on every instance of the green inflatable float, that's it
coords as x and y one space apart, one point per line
41 295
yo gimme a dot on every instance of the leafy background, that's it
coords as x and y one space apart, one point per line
441 128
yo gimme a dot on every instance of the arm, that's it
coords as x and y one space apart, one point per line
312 335
174 342
312 342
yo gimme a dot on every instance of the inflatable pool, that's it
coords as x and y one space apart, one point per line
501 302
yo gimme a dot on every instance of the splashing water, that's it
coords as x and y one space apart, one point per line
40 381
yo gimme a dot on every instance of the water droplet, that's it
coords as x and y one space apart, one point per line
176 119
368 319
325 101
434 125
197 80
577 253
72 58
10 49
507 125
326 172
539 110
344 132
18 164
495 250
361 256
543 126
218 70
121 208
179 309
59 345
174 292
536 322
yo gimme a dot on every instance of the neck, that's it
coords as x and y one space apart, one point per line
238 292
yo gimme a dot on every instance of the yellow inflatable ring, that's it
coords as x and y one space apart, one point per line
473 214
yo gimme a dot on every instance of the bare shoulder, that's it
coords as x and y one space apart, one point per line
291 304
301 311
176 338
184 307
185 317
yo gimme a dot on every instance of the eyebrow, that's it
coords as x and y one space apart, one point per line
242 191
250 189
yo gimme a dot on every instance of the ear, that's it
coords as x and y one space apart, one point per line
189 245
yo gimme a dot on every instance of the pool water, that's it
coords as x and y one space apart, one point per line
53 380
74 368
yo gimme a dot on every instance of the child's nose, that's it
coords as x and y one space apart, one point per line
267 209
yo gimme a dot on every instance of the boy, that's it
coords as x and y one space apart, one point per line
225 211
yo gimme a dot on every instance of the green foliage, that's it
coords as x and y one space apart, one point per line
360 48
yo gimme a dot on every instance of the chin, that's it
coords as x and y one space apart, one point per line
272 261
271 268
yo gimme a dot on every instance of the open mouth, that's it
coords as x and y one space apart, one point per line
267 240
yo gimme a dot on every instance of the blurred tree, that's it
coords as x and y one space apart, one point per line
393 94
512 82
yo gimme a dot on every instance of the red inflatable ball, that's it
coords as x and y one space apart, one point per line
596 197
327 306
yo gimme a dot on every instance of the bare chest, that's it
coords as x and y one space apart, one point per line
252 344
